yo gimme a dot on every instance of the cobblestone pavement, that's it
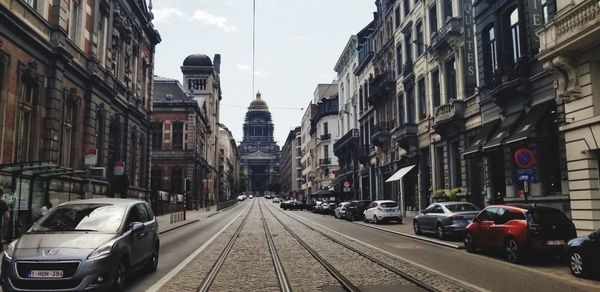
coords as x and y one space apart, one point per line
429 278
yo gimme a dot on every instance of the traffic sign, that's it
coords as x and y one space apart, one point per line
346 184
524 158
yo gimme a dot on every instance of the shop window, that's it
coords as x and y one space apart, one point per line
455 164
441 164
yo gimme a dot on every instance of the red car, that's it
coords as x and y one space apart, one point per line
519 230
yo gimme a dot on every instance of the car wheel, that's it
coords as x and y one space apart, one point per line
120 277
439 230
469 243
512 251
577 265
417 228
152 264
375 219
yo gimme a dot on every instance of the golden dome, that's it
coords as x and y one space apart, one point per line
258 103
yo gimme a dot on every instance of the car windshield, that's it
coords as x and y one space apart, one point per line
82 217
388 205
462 207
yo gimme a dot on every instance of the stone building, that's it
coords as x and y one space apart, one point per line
307 151
202 81
75 78
324 129
291 169
569 46
179 134
258 151
229 165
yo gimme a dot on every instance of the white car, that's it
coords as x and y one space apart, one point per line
340 211
250 197
275 200
381 211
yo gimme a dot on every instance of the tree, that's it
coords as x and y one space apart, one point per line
243 182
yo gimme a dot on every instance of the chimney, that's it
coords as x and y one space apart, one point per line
217 62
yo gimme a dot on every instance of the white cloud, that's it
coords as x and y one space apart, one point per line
246 69
164 14
213 20
243 67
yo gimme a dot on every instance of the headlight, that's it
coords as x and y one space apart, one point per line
10 250
101 252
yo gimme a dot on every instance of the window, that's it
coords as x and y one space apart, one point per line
326 151
441 177
102 38
155 178
397 16
455 164
447 9
419 40
67 140
515 34
406 7
27 99
177 180
197 84
408 40
74 21
437 209
325 128
433 26
143 162
401 110
450 79
487 215
435 95
422 102
157 136
177 138
491 51
399 58
545 10
410 103
133 158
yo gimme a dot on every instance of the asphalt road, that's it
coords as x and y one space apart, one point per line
481 271
178 244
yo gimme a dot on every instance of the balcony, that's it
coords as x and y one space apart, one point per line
381 86
363 154
380 133
324 161
449 117
406 135
444 39
325 137
348 140
508 81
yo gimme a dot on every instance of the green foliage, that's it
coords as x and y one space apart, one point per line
452 194
440 193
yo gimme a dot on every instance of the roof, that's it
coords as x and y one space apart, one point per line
110 201
258 103
197 60
169 90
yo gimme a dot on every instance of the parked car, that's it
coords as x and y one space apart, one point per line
448 218
382 211
340 210
315 206
329 207
354 210
584 254
276 200
82 245
268 197
251 197
241 197
519 231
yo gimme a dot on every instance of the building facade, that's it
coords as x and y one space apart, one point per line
308 151
202 81
229 165
258 151
179 134
290 165
569 52
75 79
324 128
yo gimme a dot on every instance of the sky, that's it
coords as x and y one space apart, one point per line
298 43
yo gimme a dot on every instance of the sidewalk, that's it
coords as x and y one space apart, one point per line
172 221
406 229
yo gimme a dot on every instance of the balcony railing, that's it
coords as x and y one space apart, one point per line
406 135
382 85
441 40
508 80
350 138
380 132
325 137
450 114
324 161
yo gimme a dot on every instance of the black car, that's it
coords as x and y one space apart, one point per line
584 254
292 205
354 211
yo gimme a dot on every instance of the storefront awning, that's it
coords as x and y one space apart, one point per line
528 126
504 131
481 138
400 173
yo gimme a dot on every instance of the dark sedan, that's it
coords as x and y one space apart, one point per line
354 210
584 254
444 219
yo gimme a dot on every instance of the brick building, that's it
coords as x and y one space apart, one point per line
74 75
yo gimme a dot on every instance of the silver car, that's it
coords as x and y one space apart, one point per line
340 211
445 218
83 245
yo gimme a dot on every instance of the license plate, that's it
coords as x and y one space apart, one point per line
555 242
46 274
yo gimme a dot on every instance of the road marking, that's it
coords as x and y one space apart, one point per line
466 284
187 260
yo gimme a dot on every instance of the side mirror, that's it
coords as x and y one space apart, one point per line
475 219
423 212
137 227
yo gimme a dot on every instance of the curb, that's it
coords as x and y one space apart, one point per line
422 238
176 227
217 212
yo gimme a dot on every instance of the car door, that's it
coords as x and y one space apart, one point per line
138 248
432 217
483 222
497 231
369 210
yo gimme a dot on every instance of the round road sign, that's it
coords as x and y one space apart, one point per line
524 158
346 184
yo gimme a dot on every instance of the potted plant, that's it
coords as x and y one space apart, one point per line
453 193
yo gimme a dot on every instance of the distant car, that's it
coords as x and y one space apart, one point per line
268 197
382 211
340 211
83 245
584 254
327 207
519 230
445 218
276 200
251 197
316 206
241 197
354 210
288 205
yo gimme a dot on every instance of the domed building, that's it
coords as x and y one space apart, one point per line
258 150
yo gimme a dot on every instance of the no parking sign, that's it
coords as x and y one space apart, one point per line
524 158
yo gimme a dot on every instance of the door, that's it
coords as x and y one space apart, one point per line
138 248
483 222
497 231
369 210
